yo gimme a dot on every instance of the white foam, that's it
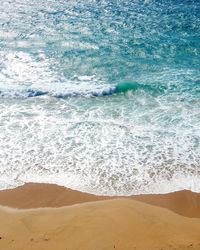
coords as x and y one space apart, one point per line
22 72
100 146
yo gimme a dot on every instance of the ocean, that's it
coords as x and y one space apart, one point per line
100 96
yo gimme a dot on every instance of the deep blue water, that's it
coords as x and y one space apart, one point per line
100 96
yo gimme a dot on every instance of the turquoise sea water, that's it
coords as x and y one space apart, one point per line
100 96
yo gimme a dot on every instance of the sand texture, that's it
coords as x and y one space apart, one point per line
114 224
120 223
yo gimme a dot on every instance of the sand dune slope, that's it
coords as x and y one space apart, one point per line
113 224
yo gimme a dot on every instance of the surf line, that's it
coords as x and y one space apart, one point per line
119 88
122 87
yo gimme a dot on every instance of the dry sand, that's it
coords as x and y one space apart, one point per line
118 223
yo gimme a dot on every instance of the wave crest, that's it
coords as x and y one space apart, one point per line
119 88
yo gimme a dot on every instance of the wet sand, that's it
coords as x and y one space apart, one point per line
97 222
35 195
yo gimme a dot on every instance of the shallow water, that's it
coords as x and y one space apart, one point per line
100 96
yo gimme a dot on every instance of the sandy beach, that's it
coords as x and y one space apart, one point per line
103 97
45 216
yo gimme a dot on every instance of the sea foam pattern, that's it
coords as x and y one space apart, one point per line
100 96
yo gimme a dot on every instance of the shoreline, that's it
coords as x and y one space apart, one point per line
38 195
48 217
